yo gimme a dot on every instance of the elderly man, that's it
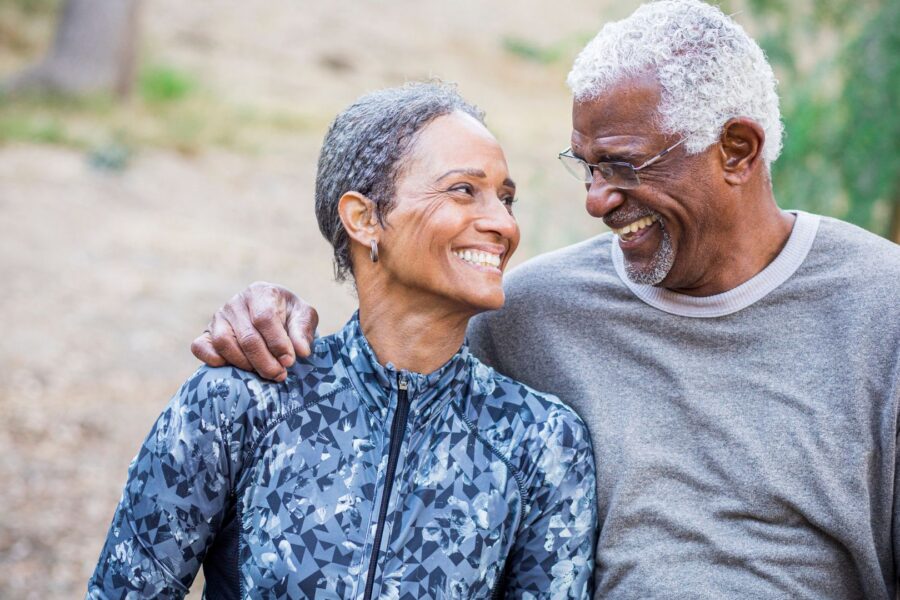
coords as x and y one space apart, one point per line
738 365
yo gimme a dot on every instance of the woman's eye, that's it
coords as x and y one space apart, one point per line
465 188
508 201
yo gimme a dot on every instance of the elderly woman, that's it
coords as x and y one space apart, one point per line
390 463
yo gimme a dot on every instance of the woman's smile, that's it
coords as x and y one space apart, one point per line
485 257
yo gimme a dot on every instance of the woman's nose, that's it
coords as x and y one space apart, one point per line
602 198
498 218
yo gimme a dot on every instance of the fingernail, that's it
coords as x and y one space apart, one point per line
286 360
281 376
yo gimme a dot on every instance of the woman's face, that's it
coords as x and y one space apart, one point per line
451 231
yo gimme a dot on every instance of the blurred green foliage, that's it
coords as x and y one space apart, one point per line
32 7
839 66
558 52
162 83
48 130
527 50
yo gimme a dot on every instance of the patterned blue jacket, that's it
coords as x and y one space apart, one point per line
354 480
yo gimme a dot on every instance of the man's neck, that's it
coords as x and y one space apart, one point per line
754 242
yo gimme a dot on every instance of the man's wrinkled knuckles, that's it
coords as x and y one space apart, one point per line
263 317
234 356
220 329
225 345
312 319
264 291
280 346
233 312
202 349
249 340
304 318
257 353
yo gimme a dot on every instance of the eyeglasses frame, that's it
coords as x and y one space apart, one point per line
634 169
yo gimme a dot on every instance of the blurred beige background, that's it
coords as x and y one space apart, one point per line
123 227
125 224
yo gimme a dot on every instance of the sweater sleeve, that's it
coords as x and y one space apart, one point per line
481 342
178 490
895 528
553 556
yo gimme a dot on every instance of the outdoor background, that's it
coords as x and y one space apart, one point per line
153 163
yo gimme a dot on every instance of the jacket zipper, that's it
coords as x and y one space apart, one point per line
398 430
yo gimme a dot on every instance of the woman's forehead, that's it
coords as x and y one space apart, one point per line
457 141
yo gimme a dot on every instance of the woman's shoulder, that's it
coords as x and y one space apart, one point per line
235 393
515 415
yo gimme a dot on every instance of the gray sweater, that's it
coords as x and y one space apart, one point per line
746 443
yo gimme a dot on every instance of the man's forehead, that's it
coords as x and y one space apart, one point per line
614 143
628 108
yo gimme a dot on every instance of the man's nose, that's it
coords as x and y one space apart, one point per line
602 198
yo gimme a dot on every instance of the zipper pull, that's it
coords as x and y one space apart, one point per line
403 383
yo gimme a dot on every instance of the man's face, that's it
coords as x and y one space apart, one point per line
668 227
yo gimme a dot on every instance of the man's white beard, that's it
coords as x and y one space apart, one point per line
659 266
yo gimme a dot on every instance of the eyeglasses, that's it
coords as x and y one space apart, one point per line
617 174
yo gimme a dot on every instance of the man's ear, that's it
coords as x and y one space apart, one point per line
357 213
740 149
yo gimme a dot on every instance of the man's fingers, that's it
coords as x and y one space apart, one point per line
252 345
267 318
302 320
202 347
225 343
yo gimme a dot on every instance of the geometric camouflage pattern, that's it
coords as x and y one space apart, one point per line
275 488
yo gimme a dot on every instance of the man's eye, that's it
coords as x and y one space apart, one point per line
508 201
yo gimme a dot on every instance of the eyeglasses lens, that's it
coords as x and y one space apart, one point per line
577 168
615 174
620 175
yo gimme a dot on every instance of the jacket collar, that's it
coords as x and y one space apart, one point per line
379 385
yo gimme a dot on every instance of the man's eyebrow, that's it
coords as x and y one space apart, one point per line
613 145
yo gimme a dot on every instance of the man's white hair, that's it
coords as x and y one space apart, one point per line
709 70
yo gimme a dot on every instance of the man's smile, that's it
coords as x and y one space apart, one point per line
636 229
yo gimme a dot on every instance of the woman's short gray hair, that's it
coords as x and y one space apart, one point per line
709 70
366 147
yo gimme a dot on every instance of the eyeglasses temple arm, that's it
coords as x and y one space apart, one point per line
660 155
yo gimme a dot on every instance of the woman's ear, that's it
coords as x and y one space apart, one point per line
357 213
740 148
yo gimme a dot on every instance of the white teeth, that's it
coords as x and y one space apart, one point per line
477 257
636 225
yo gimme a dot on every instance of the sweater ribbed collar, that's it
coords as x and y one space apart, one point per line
777 272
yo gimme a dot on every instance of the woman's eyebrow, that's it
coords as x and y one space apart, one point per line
470 172
475 173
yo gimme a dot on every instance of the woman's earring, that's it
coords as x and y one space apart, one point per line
373 254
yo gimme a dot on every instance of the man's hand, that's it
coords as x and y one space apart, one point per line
262 329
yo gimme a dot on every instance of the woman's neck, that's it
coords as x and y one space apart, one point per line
412 333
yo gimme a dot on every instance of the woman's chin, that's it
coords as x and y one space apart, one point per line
484 302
